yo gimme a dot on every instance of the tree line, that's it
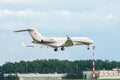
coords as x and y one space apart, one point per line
73 68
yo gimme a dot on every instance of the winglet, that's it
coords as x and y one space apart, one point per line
68 38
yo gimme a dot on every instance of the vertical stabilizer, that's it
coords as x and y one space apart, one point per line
35 34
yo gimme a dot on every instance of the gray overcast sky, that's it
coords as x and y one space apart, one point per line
96 19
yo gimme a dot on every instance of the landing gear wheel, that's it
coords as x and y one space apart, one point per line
56 49
33 41
88 48
62 48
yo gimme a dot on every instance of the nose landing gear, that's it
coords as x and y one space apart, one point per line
88 47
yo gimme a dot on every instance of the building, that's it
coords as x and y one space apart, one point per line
39 76
88 74
109 74
103 74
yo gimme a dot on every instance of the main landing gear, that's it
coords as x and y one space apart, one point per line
56 49
62 48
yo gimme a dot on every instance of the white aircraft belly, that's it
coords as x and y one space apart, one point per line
54 45
77 43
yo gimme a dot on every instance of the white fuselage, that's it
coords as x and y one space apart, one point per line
57 42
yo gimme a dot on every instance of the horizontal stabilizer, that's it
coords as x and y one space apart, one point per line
21 30
26 45
30 29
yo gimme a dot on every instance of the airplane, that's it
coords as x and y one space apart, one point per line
56 42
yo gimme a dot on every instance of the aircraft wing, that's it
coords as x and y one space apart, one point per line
68 42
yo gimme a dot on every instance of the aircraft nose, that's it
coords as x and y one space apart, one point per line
91 41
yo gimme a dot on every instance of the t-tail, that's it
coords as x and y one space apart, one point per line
36 36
